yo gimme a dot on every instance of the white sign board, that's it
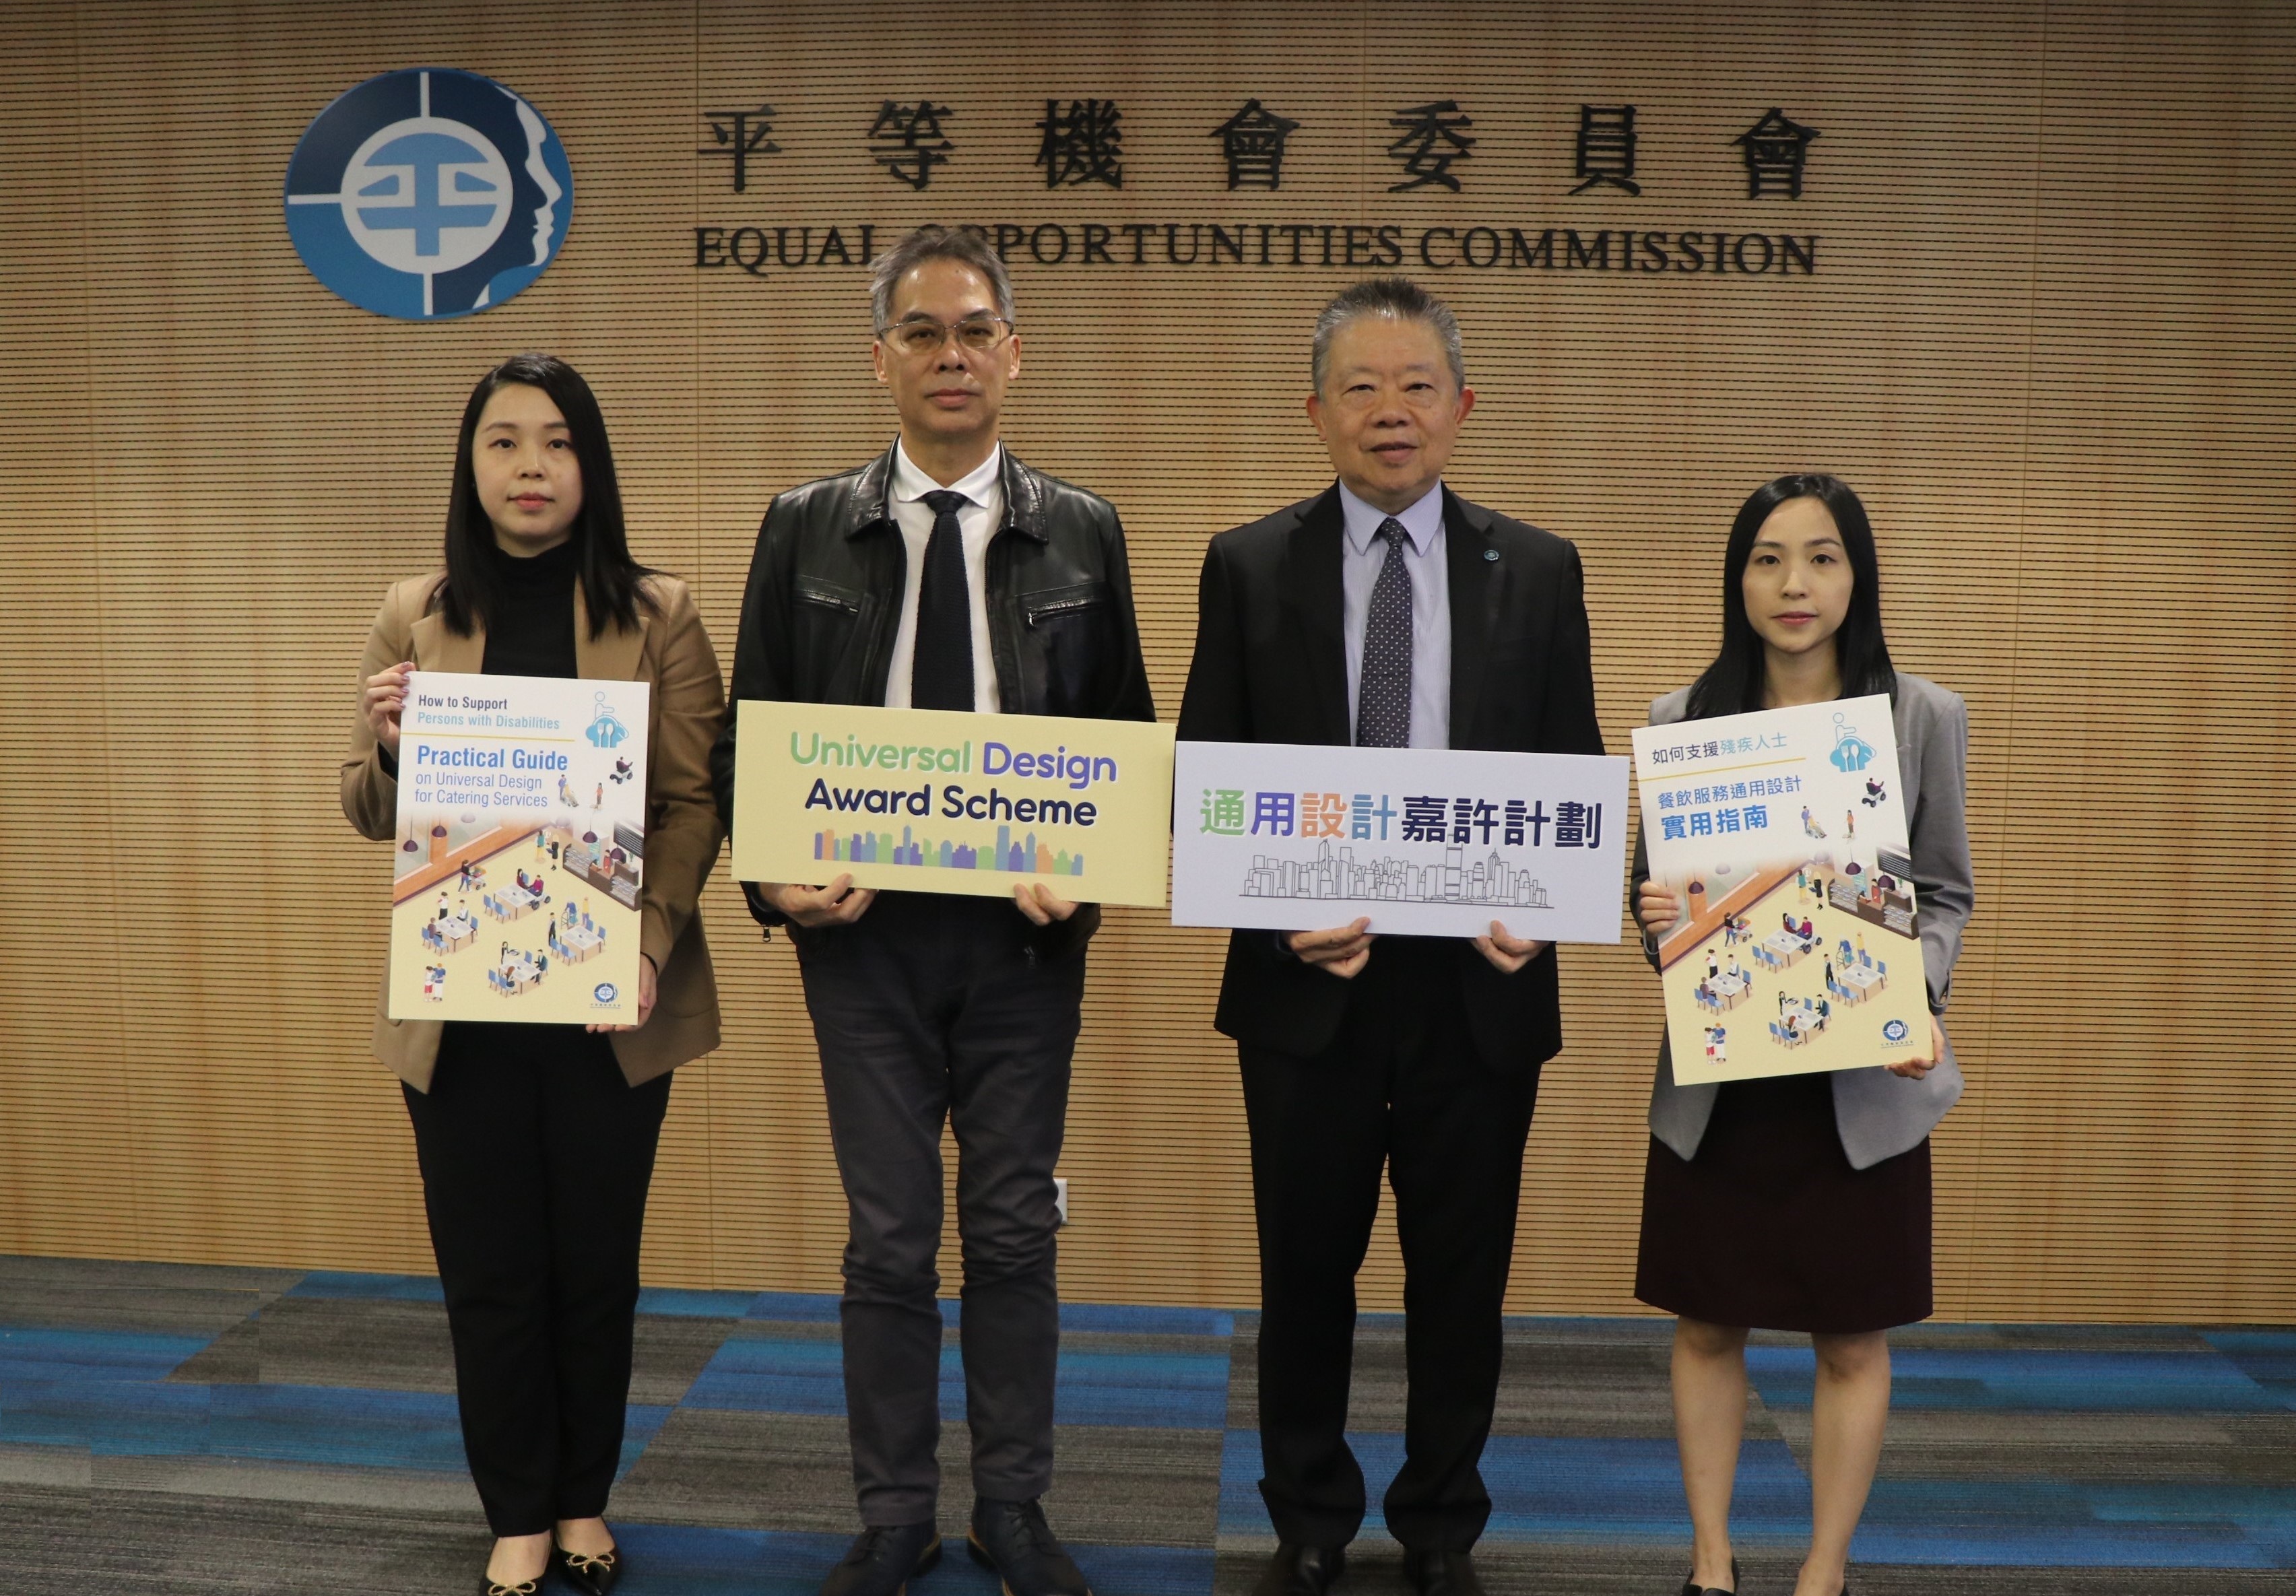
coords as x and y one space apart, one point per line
1426 842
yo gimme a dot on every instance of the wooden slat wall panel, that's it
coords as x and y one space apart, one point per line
2048 339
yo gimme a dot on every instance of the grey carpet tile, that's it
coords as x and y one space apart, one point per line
148 1544
375 1343
421 1491
670 1352
184 1299
735 1470
1136 1488
69 1468
384 1344
789 1330
1655 1330
1156 1345
1571 1570
1551 1383
1147 1487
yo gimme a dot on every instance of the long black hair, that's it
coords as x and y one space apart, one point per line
611 581
1732 685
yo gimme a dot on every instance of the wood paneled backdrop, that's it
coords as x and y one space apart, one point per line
2049 337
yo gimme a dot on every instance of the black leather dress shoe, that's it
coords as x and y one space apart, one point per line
591 1576
1298 1569
1691 1587
1013 1538
883 1561
1441 1574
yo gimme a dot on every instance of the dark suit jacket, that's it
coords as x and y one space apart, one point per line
1271 666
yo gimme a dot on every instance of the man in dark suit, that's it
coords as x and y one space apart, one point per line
1387 612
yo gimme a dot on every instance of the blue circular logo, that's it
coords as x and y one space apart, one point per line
427 193
604 991
1895 1031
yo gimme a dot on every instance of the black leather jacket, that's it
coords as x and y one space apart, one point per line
824 599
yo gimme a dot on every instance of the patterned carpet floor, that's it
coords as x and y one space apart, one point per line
167 1428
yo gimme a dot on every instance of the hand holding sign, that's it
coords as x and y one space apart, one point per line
835 905
1343 950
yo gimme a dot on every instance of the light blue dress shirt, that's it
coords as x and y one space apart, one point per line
1431 607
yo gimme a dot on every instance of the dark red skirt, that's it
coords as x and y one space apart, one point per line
1770 1227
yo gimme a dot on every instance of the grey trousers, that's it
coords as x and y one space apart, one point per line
934 1008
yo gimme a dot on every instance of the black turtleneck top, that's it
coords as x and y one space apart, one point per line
531 632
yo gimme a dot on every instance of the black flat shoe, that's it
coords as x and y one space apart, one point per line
591 1576
1441 1574
1691 1587
1299 1570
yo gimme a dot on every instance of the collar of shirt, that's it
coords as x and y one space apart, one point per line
984 484
1421 521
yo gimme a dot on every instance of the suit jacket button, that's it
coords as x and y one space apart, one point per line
1490 553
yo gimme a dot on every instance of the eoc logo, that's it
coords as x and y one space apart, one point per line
1895 1031
427 193
605 992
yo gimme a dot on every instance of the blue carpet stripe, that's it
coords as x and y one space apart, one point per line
2148 1382
381 1287
40 1354
673 1303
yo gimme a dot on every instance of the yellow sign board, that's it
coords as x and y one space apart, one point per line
935 800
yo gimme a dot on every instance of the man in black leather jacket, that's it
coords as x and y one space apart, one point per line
944 573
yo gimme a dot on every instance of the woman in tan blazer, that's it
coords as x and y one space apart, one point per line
537 1142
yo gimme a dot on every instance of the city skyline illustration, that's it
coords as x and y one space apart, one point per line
1023 856
1341 876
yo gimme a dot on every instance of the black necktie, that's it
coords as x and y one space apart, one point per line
1383 693
941 675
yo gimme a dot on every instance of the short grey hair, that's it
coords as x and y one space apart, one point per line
1397 296
967 246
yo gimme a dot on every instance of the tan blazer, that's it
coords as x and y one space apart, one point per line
670 650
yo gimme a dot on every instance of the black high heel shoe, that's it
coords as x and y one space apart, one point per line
591 1576
1691 1587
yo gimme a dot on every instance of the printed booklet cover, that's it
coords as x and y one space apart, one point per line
1783 833
941 800
521 849
1428 842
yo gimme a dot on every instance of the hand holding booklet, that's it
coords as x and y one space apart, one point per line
1783 834
521 849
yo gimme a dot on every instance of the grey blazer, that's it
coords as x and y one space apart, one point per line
1879 1115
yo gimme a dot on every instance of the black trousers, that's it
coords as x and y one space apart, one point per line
536 1156
935 1008
1401 1087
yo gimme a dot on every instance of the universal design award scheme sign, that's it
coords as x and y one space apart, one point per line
1783 833
1424 841
522 850
938 800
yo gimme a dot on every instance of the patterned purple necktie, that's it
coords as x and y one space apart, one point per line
1383 696
940 673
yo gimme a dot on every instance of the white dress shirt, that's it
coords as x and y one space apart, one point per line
977 521
1431 607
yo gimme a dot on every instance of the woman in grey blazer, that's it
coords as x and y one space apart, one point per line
1802 1202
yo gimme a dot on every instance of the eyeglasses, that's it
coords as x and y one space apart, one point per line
922 335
